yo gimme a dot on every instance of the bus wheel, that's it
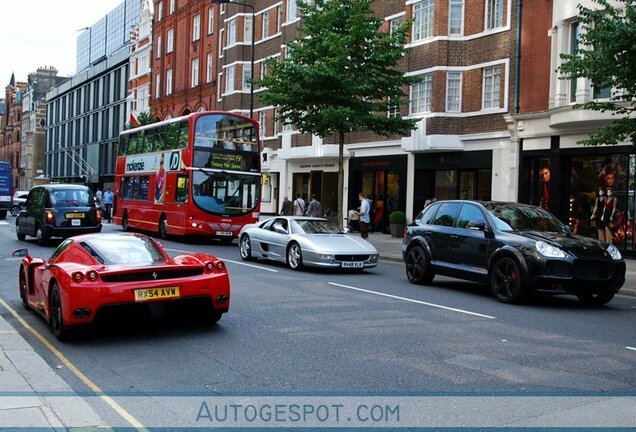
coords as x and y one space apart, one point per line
124 222
163 228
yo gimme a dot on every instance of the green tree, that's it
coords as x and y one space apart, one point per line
607 57
144 118
340 76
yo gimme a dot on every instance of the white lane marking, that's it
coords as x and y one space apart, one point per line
232 261
413 301
631 348
4 223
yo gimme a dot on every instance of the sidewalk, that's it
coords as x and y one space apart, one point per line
390 249
32 394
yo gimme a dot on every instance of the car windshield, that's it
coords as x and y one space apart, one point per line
71 198
314 226
133 250
521 218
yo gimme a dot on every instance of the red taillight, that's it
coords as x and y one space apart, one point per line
91 275
49 217
220 265
209 266
78 277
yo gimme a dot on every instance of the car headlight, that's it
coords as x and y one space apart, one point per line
614 252
548 250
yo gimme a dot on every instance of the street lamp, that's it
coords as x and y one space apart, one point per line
253 44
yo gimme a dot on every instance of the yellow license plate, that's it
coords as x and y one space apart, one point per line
75 215
156 293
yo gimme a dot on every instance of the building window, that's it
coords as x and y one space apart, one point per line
158 46
292 10
159 10
456 17
264 69
221 30
262 117
247 77
194 78
494 13
208 68
453 91
168 82
170 41
229 79
421 95
279 19
218 87
196 28
247 28
210 20
172 6
394 24
423 14
142 99
574 45
265 32
492 84
231 32
394 110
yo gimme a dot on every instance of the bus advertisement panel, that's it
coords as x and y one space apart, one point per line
6 188
193 175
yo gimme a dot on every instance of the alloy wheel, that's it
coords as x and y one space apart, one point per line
294 257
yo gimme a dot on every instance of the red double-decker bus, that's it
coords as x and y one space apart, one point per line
193 175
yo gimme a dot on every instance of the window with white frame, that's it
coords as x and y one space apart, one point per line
456 17
279 19
142 98
218 86
292 10
395 23
221 35
453 91
144 64
264 69
231 32
172 6
276 125
494 13
574 46
492 87
423 15
247 28
158 46
394 109
208 68
229 79
210 20
194 76
157 86
247 77
265 30
262 118
168 82
421 95
170 41
159 10
196 28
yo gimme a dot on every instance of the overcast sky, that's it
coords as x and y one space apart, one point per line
35 33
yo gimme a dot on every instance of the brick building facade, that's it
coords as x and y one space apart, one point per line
11 138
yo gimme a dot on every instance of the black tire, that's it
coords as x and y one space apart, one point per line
124 222
418 269
597 298
163 228
57 316
15 210
245 248
42 238
23 288
20 235
295 256
226 240
506 282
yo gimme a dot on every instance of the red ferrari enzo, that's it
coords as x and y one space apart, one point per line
92 272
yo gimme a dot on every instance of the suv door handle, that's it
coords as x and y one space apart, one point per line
454 237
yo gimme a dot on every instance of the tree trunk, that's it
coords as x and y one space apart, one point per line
341 138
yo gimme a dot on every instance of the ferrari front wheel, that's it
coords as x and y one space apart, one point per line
23 289
56 314
295 257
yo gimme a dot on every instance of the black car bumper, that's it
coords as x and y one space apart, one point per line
577 276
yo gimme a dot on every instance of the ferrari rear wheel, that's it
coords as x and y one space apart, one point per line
295 257
245 248
57 317
23 289
42 238
163 228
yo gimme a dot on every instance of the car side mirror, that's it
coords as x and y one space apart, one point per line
20 253
279 229
477 224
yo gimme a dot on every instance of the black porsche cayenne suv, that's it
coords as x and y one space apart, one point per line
516 248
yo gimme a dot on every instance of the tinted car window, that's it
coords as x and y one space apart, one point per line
71 198
517 218
446 214
469 212
426 217
315 227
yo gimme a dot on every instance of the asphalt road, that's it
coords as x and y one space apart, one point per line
319 331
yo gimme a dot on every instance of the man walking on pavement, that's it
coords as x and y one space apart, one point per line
365 220
108 203
286 208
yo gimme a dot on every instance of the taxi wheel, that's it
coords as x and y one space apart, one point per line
57 317
20 235
295 257
42 238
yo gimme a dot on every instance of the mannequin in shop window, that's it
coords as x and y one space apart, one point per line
609 213
544 188
597 213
